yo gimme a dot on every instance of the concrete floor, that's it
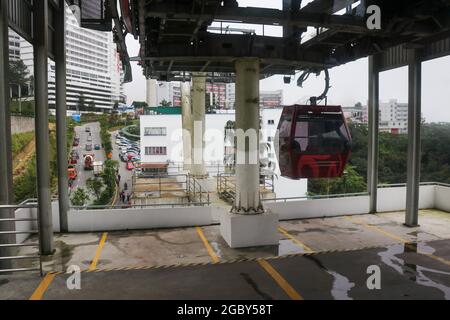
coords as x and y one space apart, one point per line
343 248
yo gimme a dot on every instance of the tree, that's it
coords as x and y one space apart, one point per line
140 104
18 77
80 197
18 73
350 182
81 104
91 105
165 103
95 186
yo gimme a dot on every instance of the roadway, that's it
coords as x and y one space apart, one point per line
80 131
125 175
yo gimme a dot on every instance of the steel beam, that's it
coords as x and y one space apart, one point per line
6 190
40 27
373 108
251 15
61 114
414 147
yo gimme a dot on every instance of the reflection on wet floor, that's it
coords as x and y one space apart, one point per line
394 256
341 285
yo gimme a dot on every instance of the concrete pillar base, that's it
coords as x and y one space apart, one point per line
244 230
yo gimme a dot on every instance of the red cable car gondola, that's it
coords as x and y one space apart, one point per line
314 142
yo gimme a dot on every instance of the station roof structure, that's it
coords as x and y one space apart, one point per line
178 36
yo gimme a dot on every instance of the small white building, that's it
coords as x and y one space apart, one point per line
162 146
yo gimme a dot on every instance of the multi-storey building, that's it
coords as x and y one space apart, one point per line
357 113
218 94
271 99
162 146
94 73
394 117
14 45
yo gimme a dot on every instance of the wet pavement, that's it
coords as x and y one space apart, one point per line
330 258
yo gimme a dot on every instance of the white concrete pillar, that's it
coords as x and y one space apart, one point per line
247 200
247 224
198 124
186 122
151 92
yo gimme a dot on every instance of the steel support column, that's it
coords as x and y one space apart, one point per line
40 27
248 198
414 148
61 114
198 124
186 123
6 190
373 108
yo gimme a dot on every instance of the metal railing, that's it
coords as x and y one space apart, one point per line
328 196
196 192
226 186
13 244
398 185
141 206
160 183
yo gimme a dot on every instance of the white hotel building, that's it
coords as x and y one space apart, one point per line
93 67
162 146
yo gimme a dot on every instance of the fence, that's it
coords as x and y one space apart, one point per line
10 241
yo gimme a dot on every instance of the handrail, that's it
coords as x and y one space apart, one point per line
172 205
329 196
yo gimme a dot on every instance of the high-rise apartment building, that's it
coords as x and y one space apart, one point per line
14 45
94 72
218 94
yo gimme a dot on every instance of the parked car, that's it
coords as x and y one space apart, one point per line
130 165
89 138
97 147
89 147
76 141
131 156
87 129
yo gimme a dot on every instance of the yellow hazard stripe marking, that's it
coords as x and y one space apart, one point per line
40 290
213 255
290 291
295 240
94 262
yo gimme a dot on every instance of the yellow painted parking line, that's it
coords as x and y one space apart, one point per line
295 240
378 229
290 291
397 238
45 283
94 262
208 247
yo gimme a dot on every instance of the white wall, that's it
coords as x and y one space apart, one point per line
442 198
319 208
390 199
135 219
394 199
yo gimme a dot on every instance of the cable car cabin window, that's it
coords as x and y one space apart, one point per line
319 135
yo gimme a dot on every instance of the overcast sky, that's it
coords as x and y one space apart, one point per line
349 82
